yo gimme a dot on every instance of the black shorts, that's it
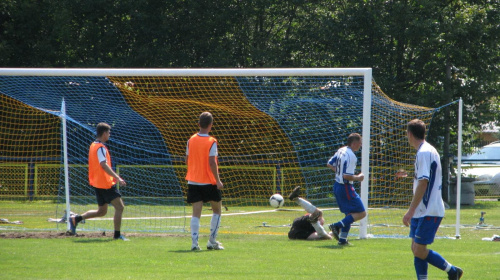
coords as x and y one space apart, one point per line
203 193
301 228
104 196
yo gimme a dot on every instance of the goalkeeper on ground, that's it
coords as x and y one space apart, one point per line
309 226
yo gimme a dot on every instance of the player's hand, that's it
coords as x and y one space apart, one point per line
122 182
361 177
401 174
407 218
220 186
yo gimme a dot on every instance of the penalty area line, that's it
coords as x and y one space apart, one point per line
207 215
183 217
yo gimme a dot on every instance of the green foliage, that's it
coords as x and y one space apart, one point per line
409 44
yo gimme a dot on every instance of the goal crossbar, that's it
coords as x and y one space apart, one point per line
185 72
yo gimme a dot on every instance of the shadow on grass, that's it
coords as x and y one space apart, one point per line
93 240
192 252
335 246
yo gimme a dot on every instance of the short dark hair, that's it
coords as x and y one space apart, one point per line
206 119
417 128
101 128
352 138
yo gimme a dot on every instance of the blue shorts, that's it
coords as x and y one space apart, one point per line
423 230
347 199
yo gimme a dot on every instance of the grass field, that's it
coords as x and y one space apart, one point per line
252 252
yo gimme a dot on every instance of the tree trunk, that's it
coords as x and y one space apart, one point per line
446 144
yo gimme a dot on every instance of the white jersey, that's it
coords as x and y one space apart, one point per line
344 161
428 166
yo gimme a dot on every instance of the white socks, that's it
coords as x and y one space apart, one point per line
306 205
195 230
319 229
214 227
448 267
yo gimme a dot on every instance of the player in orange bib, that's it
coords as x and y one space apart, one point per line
204 184
103 179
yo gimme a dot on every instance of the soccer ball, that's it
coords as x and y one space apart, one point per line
276 200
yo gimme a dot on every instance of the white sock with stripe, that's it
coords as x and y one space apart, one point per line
214 227
195 230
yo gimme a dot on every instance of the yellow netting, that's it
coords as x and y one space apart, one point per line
251 143
28 138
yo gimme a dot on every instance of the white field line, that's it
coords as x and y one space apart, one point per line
205 215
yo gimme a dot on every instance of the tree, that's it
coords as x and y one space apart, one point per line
409 44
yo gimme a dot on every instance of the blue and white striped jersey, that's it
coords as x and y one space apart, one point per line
345 162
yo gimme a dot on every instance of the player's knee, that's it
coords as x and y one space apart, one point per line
362 215
419 251
119 208
359 216
419 254
101 212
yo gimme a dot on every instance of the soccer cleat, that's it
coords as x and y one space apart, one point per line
295 193
335 231
456 275
121 237
72 225
196 248
214 246
313 218
344 243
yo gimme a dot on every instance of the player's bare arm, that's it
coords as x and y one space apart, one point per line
331 167
214 168
360 177
110 171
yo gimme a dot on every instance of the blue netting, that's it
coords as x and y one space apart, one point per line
134 141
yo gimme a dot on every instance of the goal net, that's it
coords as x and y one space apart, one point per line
276 129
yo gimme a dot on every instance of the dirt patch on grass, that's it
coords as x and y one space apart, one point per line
53 234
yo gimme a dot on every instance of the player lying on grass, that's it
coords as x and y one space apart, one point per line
309 226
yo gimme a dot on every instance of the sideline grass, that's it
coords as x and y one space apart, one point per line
265 255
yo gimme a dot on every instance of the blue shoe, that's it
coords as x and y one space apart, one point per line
343 242
456 275
121 237
335 231
72 225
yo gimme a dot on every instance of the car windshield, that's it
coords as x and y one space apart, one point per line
487 153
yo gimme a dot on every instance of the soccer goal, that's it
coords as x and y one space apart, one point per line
276 129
